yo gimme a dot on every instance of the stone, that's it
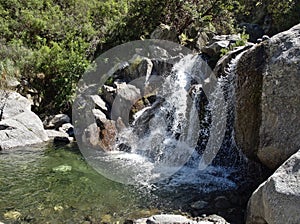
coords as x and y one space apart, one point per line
180 219
219 42
222 64
54 122
59 136
165 32
13 103
12 83
62 168
268 99
23 129
202 40
53 133
277 200
67 128
99 102
108 94
163 219
127 95
101 134
12 215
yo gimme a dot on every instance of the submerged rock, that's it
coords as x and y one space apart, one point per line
12 215
62 168
277 200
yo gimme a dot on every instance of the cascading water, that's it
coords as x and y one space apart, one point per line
162 140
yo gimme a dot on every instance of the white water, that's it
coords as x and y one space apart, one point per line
162 152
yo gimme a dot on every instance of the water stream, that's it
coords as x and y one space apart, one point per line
54 184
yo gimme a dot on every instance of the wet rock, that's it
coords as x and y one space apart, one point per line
12 215
62 168
106 218
268 99
277 200
127 95
56 121
222 65
102 133
91 136
141 66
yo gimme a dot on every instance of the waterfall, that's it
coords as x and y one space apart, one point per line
179 137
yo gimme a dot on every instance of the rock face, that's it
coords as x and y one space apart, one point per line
278 199
268 99
19 126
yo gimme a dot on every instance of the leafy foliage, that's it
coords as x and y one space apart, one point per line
50 43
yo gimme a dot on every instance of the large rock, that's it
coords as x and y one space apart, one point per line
268 99
19 126
277 200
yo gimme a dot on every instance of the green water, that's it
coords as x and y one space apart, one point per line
35 188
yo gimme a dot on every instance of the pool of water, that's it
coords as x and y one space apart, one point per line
54 184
